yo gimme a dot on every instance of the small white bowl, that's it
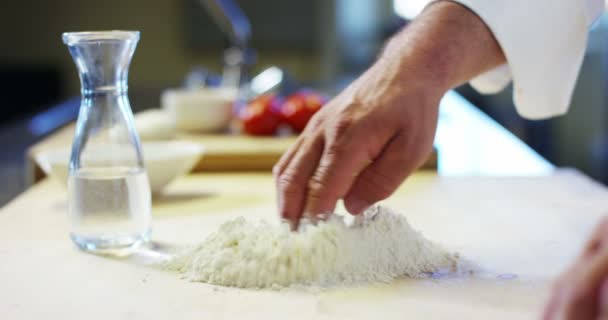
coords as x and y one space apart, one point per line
164 161
154 124
202 110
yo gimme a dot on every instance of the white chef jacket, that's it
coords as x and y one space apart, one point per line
544 43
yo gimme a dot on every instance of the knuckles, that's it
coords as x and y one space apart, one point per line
316 185
289 183
344 120
333 150
276 171
316 122
342 125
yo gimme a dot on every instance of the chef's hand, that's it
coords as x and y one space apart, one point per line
367 140
581 292
360 146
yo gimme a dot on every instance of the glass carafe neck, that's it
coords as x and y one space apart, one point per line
102 59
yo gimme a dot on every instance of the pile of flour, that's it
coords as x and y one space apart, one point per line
378 247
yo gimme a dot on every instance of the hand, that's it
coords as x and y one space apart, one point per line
360 146
366 141
582 291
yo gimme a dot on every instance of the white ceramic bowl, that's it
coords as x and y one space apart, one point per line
154 124
202 110
164 161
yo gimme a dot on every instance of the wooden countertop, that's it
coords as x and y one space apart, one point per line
517 232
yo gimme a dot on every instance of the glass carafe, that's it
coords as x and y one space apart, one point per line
109 203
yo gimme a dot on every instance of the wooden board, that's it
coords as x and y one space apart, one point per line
238 152
222 152
518 233
248 153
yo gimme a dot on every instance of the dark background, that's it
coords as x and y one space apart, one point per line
321 43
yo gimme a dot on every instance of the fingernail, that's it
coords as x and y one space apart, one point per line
308 215
315 218
292 224
358 206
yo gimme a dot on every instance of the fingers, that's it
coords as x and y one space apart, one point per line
603 300
381 178
598 239
341 162
309 132
551 308
582 292
285 183
280 166
580 296
293 179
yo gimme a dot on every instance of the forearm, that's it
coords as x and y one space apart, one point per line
445 46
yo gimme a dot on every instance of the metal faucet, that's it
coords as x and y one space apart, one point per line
235 24
240 57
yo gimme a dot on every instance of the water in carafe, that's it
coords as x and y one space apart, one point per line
109 201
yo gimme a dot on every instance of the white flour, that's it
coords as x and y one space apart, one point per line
377 248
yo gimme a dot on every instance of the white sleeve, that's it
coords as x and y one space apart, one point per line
544 42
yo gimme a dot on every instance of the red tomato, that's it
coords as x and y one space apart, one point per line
300 107
260 117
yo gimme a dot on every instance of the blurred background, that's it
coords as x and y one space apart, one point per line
323 44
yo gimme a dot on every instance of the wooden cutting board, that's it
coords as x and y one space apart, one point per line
250 153
517 232
223 152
